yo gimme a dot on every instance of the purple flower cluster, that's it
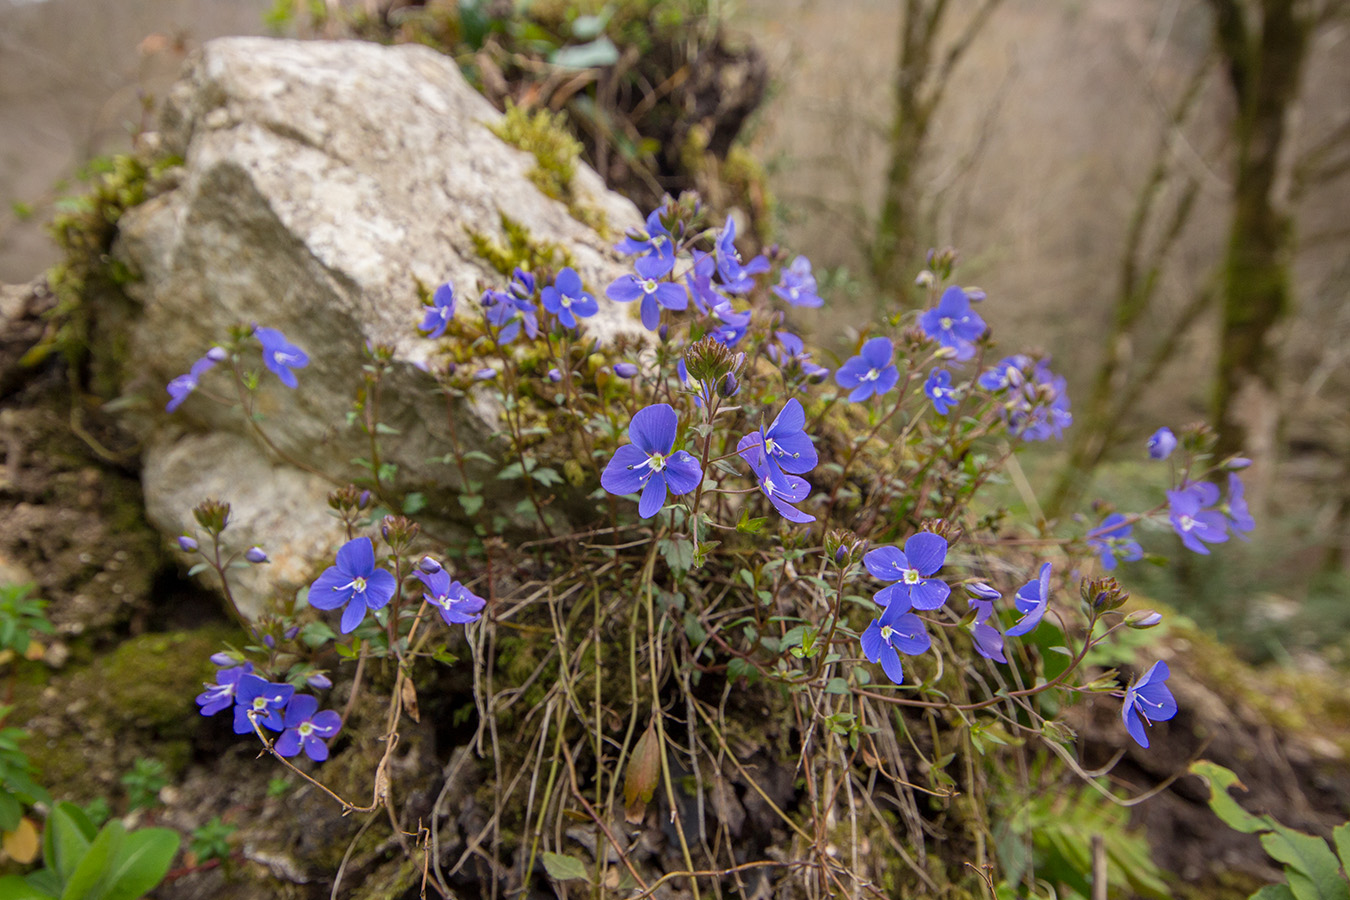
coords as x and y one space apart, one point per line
1199 519
273 706
1035 403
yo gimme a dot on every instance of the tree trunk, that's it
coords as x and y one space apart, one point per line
1265 70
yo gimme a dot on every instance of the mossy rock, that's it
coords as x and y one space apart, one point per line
89 725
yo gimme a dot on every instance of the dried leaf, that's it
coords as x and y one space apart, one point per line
642 775
409 696
22 844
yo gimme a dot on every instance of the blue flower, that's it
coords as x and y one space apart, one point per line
988 640
1161 443
1239 517
952 323
648 465
306 728
1148 700
783 490
183 385
699 280
354 582
220 695
458 604
870 372
797 285
894 632
509 311
280 355
790 355
567 300
654 295
1112 537
735 276
440 312
1031 601
1007 373
938 387
262 698
1193 520
785 441
656 245
912 571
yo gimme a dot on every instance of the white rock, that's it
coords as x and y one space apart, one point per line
320 181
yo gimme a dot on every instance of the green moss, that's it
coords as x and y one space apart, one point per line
544 135
521 249
136 701
84 229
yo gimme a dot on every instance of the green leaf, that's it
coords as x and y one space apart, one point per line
1311 868
89 880
142 863
1341 836
511 472
836 686
1225 807
1274 892
414 503
471 503
12 887
66 839
10 811
546 476
565 868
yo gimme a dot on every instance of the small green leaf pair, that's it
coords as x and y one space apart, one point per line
83 863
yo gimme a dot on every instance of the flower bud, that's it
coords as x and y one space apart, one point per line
319 681
947 530
1144 618
186 544
212 515
625 370
292 632
925 279
429 565
217 354
983 591
223 659
398 532
729 385
843 547
1161 443
269 641
255 555
554 375
1103 594
1237 462
484 374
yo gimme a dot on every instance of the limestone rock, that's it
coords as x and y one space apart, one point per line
320 182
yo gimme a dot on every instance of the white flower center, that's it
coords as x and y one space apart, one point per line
911 576
946 323
872 375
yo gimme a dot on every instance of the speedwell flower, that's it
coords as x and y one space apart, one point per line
648 465
458 605
1192 518
655 295
1239 517
988 639
912 571
263 699
1161 443
306 728
567 299
440 312
353 582
783 490
183 385
952 323
892 633
656 246
797 285
1112 538
1031 601
785 441
871 372
220 695
939 389
1148 700
280 355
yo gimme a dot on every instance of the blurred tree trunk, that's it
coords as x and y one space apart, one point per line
923 70
1264 44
